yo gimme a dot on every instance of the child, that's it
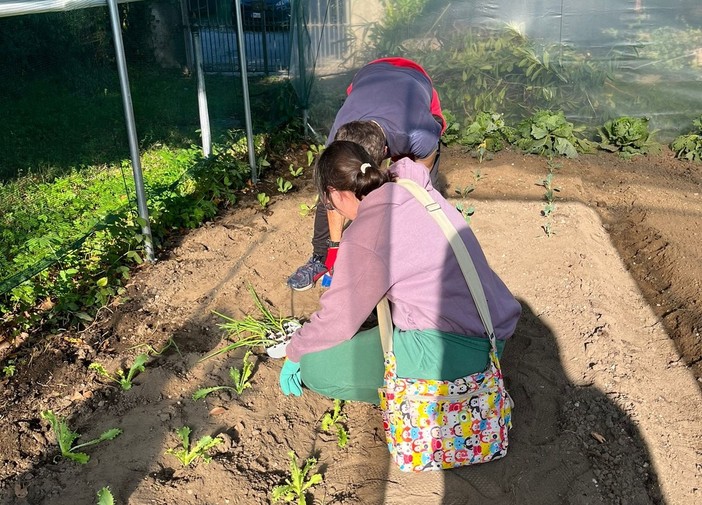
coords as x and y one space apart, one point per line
394 97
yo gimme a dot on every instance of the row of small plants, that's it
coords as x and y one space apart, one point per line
77 237
248 332
548 133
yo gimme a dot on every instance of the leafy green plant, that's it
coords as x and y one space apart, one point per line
65 438
314 151
333 420
463 192
628 136
9 369
263 200
466 211
305 209
550 197
487 134
283 185
549 134
295 172
124 380
502 69
548 229
689 146
252 332
186 454
240 379
105 497
301 479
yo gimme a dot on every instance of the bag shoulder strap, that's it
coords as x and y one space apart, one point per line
462 256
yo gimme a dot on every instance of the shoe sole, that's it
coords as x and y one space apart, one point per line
309 286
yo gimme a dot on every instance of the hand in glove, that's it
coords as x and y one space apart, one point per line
290 383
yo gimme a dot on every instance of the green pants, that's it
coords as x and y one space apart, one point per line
354 369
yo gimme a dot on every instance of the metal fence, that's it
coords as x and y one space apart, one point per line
267 32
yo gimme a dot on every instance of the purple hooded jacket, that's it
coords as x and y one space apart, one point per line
395 247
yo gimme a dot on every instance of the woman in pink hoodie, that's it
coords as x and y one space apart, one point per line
392 248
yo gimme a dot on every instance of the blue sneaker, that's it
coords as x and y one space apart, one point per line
305 276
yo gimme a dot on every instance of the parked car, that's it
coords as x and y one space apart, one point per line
268 14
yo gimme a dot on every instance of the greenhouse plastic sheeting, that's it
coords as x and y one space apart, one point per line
595 60
18 7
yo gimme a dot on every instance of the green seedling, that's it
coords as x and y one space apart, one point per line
187 455
334 420
295 172
306 209
240 379
477 175
548 230
464 192
263 200
65 438
252 332
105 497
9 370
466 211
283 185
299 482
125 381
548 209
314 150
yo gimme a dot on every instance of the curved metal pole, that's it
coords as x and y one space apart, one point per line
131 129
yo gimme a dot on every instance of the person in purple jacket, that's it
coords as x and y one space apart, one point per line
394 96
392 248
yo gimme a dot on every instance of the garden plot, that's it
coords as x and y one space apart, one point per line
606 409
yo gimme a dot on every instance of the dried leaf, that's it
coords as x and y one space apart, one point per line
598 437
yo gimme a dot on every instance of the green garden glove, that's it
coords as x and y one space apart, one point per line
290 383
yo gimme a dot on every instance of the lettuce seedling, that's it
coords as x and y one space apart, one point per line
65 438
119 377
263 200
105 497
298 483
283 185
333 420
295 172
187 455
240 379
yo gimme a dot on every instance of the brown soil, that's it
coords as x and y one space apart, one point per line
602 367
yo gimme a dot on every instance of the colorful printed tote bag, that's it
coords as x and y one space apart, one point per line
435 425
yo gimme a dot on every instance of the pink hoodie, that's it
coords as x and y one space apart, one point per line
395 247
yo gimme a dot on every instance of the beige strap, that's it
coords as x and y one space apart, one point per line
462 256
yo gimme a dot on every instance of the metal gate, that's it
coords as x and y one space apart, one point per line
267 34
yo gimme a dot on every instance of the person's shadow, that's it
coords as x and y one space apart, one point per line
568 444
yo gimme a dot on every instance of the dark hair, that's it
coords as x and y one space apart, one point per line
369 134
339 167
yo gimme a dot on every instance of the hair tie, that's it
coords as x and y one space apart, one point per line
363 168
